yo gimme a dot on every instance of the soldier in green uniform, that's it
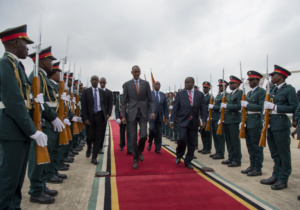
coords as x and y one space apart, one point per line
51 125
231 123
16 126
173 133
283 100
206 135
254 105
167 126
54 76
219 140
123 127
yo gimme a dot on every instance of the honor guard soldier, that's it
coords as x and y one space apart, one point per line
51 125
206 135
231 123
168 130
283 100
254 104
219 140
16 126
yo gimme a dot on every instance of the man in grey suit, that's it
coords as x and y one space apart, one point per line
161 110
188 107
137 96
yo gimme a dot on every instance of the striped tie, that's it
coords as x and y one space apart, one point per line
191 101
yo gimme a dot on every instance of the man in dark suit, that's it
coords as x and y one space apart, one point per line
108 103
161 109
137 96
188 107
94 117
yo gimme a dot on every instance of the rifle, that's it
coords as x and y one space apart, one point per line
63 136
79 124
263 137
220 127
208 124
42 155
75 124
244 117
66 112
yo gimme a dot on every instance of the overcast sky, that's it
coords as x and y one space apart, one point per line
175 38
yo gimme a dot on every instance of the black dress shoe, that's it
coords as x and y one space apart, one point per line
74 152
55 180
189 166
101 152
94 161
226 162
135 166
68 160
246 171
63 176
218 157
200 151
71 154
129 152
299 197
64 168
177 160
234 164
204 152
121 149
254 173
212 155
270 181
42 198
67 165
157 151
77 150
149 147
51 192
140 156
71 158
88 153
279 186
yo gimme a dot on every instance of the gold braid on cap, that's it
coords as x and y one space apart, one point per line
16 72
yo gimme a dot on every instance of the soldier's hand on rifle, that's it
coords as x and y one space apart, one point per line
172 125
210 106
73 100
39 98
244 103
58 125
64 97
269 105
152 116
67 122
40 138
74 119
223 105
123 120
87 122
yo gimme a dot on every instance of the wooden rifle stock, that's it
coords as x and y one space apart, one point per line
220 127
63 136
66 114
42 155
244 118
75 125
263 137
208 125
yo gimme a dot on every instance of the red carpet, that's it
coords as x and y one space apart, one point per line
159 183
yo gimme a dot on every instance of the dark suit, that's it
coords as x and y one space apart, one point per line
161 109
98 120
138 106
108 101
187 128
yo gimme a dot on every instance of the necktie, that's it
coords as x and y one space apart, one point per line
275 90
95 101
191 101
156 97
137 87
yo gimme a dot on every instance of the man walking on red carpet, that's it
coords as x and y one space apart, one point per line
189 105
137 96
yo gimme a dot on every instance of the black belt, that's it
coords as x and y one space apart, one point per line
97 112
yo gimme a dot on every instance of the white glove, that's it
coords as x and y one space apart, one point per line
68 98
244 103
268 125
79 104
269 105
79 119
219 122
73 100
240 125
58 125
56 95
169 115
39 98
171 107
67 122
64 97
40 138
30 96
118 121
210 106
74 119
223 105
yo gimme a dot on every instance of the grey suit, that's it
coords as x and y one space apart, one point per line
138 106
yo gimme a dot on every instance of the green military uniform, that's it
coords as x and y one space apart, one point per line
232 120
168 130
123 128
278 136
16 126
206 135
219 140
37 173
255 99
